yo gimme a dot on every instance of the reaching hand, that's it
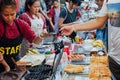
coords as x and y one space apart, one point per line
1 57
45 34
37 40
3 62
67 30
7 68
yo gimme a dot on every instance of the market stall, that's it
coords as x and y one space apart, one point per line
81 60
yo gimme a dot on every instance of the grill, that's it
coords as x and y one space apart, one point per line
8 75
38 72
43 71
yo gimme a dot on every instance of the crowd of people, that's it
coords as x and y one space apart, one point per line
19 32
22 27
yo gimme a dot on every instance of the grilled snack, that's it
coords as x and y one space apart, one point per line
75 57
74 68
103 78
99 72
100 59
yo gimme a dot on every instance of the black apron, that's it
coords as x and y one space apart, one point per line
10 48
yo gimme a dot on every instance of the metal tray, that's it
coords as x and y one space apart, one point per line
85 61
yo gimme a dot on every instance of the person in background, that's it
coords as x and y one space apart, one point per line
69 14
53 14
48 4
43 6
12 31
110 12
35 19
99 3
102 33
49 23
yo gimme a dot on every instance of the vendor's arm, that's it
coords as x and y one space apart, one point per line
91 25
28 33
3 62
101 18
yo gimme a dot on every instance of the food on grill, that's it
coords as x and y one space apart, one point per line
73 68
75 57
99 68
97 72
102 78
100 59
94 65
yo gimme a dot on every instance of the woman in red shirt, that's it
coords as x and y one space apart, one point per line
35 19
12 31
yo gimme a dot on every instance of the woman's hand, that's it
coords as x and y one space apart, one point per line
45 34
3 62
1 57
37 40
6 66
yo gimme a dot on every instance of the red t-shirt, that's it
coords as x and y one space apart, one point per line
12 31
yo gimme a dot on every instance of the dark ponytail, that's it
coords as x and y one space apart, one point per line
7 3
78 2
30 3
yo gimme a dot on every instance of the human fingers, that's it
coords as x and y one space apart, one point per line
6 66
45 34
37 40
1 57
66 31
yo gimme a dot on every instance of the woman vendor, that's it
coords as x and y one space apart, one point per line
12 31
